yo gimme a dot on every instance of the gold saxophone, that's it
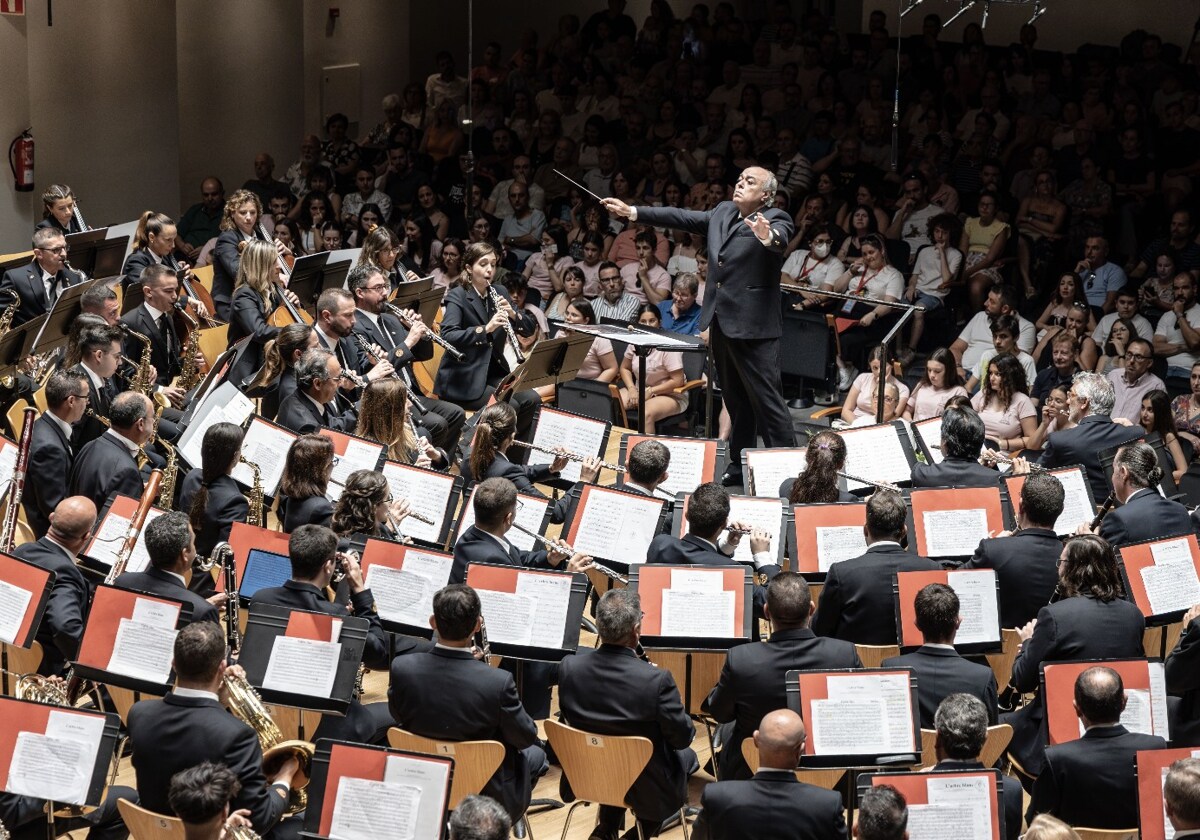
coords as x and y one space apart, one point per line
141 380
190 376
6 317
247 705
166 492
255 499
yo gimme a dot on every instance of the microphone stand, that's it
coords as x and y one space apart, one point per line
906 312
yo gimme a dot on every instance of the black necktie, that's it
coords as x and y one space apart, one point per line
52 295
164 330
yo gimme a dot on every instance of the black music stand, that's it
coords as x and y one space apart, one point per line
216 376
551 361
305 278
95 255
57 326
703 644
333 273
17 343
418 297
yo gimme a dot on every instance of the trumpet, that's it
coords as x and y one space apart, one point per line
408 321
509 332
570 456
878 485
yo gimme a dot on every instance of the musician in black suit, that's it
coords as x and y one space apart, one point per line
209 495
39 283
962 440
1183 683
154 319
242 212
961 722
612 692
1026 560
940 671
334 326
108 465
857 603
1090 622
307 470
277 377
100 356
646 468
817 483
1181 797
448 694
772 804
50 452
752 681
1144 514
373 320
189 726
200 797
259 287
71 526
310 408
746 238
1092 781
1090 402
171 545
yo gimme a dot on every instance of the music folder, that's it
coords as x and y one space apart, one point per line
964 804
24 590
1078 504
17 343
530 613
56 753
1152 766
770 514
267 445
693 462
215 377
765 470
927 435
224 404
978 593
432 493
419 296
824 534
129 639
112 528
951 521
350 454
403 579
694 607
533 514
857 716
551 361
303 659
1162 576
376 793
245 538
611 526
1145 697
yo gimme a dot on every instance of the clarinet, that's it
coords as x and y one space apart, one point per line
233 635
1108 505
407 321
511 334
16 487
372 352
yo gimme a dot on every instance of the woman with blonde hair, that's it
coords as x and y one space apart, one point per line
380 249
238 224
384 417
258 285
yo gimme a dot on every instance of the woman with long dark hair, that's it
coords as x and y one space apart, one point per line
212 499
818 481
366 507
304 482
1155 417
1009 416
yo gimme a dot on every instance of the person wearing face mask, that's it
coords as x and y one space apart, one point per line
816 267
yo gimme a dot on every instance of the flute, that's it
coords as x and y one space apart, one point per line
412 514
565 547
1005 458
570 456
880 485
407 321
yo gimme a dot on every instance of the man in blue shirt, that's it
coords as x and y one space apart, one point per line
681 313
1101 279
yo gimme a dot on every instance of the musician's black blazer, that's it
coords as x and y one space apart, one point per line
1026 565
772 805
103 468
857 603
99 401
402 356
1146 515
466 381
62 623
136 263
941 672
50 457
225 260
226 505
1083 445
299 414
1183 681
475 546
248 317
168 362
304 596
954 472
157 582
26 281
310 510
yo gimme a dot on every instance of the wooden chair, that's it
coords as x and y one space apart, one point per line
147 825
600 768
873 655
1107 833
16 417
998 738
824 777
475 762
213 341
289 718
204 276
19 661
1002 662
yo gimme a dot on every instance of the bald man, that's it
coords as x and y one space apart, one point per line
773 805
71 523
108 465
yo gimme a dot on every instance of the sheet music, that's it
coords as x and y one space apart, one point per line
509 617
577 434
863 715
551 596
630 335
359 455
8 461
531 513
758 513
976 591
699 614
370 810
224 405
875 452
618 527
1158 700
14 601
769 468
959 808
1171 582
428 494
267 446
44 767
143 651
836 543
302 666
697 580
429 777
400 595
107 542
686 471
1077 504
930 433
953 533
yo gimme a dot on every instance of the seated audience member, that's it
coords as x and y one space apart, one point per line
614 302
961 443
1134 381
1177 335
1092 781
861 400
1004 342
1181 797
1077 328
1003 403
664 377
935 270
681 312
1090 402
1064 364
938 384
976 337
1155 418
1127 300
1144 514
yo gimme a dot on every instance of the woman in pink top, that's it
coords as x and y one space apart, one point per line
664 373
861 400
1008 415
544 268
600 364
940 382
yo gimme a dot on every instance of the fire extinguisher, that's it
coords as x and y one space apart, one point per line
20 160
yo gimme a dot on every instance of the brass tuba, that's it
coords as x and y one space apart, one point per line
247 705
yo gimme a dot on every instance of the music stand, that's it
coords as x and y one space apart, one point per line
1056 687
920 789
981 586
821 530
1076 508
714 460
602 546
533 513
333 273
551 361
486 577
433 567
651 580
305 279
1160 575
57 326
583 435
28 582
430 492
744 508
17 343
216 376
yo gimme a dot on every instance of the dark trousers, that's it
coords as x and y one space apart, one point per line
444 421
751 389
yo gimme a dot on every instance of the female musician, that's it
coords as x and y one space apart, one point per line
940 382
366 506
277 373
58 210
211 498
818 481
664 374
258 282
306 473
384 416
153 244
242 212
379 250
1008 415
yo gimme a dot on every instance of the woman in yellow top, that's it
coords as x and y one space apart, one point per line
984 239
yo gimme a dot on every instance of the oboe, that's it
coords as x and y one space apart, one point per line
407 321
879 485
570 456
499 303
373 352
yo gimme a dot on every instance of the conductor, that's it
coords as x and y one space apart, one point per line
741 311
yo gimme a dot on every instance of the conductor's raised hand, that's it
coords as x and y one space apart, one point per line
617 207
760 225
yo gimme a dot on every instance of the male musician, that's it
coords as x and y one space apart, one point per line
334 326
39 283
189 726
962 440
612 692
1183 681
1026 560
708 518
495 509
1181 797
746 239
200 797
171 545
646 468
772 804
479 818
856 603
752 682
308 408
1144 514
1093 781
882 814
101 300
940 671
448 694
443 420
1090 402
71 526
108 465
50 452
99 358
154 320
961 722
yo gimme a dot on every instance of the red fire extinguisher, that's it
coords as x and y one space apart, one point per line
20 160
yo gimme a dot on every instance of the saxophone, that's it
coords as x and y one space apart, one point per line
189 377
255 515
141 381
166 492
245 702
6 318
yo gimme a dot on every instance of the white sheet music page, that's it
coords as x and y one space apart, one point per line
875 452
431 778
371 810
267 446
509 616
581 435
428 494
531 512
1170 581
695 614
864 714
359 455
8 461
1158 700
551 596
930 432
145 644
769 468
302 666
953 533
836 543
686 472
959 808
107 542
224 405
617 526
400 595
58 763
758 513
1077 504
14 601
978 607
